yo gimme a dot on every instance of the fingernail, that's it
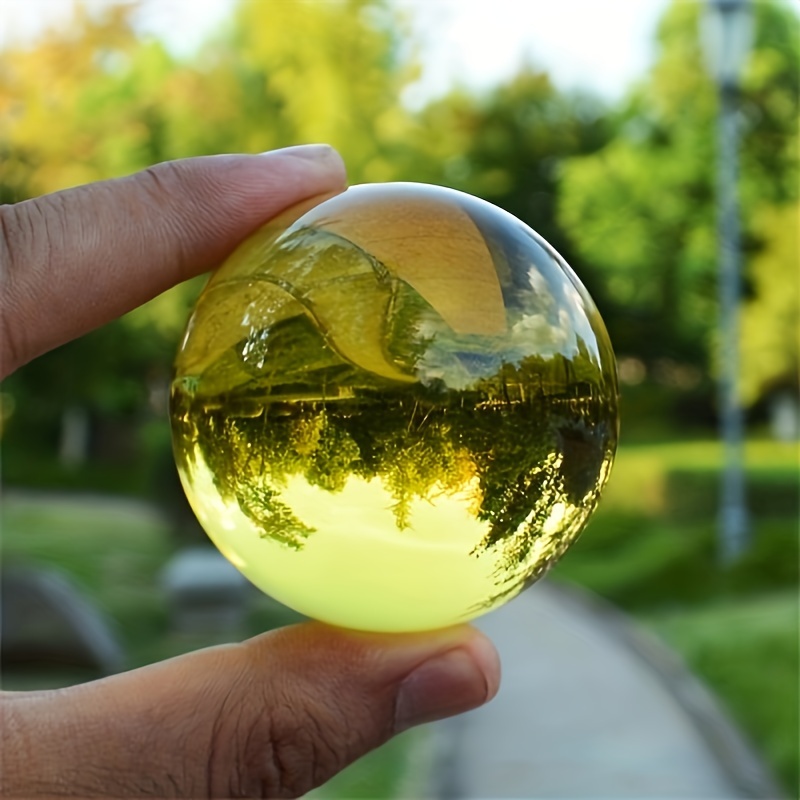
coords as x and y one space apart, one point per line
444 685
310 152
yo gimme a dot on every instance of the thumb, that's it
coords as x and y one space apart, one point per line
272 717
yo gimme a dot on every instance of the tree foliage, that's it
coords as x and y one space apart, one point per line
93 100
509 146
771 317
625 194
642 209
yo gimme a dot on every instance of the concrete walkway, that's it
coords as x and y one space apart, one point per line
591 707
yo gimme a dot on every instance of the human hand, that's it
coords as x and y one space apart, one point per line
280 713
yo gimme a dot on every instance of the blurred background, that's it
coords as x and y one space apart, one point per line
592 122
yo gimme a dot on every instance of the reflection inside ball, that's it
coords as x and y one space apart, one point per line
395 408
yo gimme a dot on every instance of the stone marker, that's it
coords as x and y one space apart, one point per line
205 592
45 620
784 415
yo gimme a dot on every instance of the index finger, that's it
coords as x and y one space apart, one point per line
76 259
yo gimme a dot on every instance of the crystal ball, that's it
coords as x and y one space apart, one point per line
394 407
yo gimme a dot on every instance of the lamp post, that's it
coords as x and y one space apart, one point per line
726 31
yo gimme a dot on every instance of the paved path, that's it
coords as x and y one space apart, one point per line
590 707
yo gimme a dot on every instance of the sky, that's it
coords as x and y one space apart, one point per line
600 45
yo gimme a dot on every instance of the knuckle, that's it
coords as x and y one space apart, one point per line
160 182
306 750
165 186
11 347
18 256
162 187
284 751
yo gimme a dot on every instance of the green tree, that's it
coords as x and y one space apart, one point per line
771 317
642 209
282 73
508 146
91 101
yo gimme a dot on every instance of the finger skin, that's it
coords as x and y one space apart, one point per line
272 717
74 260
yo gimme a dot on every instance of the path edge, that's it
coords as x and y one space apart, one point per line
735 753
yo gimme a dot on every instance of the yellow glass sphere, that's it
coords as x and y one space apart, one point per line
394 407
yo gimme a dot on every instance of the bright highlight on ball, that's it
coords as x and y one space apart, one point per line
395 409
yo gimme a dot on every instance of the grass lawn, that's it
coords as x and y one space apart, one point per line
748 651
650 553
655 556
639 479
115 552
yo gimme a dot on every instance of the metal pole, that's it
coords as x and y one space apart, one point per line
733 517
